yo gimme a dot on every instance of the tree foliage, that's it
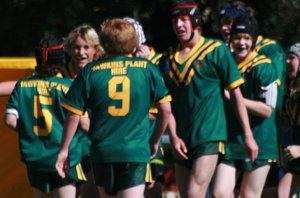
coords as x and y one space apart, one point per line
25 21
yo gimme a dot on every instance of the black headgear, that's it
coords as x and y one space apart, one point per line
50 51
230 10
245 25
187 8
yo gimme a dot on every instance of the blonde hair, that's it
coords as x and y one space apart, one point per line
118 36
89 34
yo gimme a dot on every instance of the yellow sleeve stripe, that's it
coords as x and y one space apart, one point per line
153 110
165 99
278 81
235 84
72 109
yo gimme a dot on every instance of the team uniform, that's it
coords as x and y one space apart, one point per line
157 163
274 51
196 84
69 72
259 73
119 127
36 103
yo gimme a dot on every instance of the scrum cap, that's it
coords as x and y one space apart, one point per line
234 11
138 29
50 51
246 25
187 8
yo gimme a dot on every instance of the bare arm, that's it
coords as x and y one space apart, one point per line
238 103
84 123
258 108
164 111
7 87
269 96
178 145
11 121
70 128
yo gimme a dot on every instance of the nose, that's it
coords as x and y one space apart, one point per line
81 50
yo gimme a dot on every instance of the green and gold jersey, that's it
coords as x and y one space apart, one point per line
275 52
258 72
197 85
40 120
154 57
119 91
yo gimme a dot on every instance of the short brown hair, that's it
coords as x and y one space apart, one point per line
118 36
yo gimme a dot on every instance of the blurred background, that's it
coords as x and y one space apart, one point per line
24 21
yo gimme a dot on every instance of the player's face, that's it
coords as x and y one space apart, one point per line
292 63
225 28
182 27
82 52
241 45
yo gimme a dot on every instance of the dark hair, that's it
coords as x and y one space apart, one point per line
49 55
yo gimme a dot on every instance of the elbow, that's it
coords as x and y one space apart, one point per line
268 112
10 121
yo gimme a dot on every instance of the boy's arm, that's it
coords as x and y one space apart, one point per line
70 128
164 111
11 120
238 103
179 147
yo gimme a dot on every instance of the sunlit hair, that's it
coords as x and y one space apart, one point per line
118 36
89 34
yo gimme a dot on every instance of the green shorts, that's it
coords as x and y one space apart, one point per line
117 176
246 165
86 164
155 171
47 181
209 148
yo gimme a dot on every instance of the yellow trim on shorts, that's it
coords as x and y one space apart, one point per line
157 161
222 148
148 177
80 172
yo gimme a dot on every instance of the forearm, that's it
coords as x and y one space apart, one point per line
70 128
258 108
172 127
164 112
239 106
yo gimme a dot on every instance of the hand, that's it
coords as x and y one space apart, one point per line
154 149
179 148
142 51
251 147
62 164
226 94
292 152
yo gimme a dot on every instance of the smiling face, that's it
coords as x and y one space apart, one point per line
182 27
292 63
82 52
241 44
225 28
